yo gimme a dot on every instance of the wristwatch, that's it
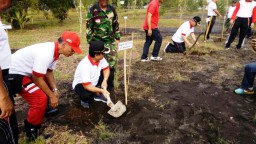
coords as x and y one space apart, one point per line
55 89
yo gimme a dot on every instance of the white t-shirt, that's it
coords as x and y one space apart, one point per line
35 59
5 52
230 11
88 72
184 30
211 7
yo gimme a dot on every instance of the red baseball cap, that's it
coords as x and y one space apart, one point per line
73 40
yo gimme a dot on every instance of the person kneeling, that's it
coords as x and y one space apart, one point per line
87 80
180 37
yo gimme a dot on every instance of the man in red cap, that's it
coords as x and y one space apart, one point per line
31 75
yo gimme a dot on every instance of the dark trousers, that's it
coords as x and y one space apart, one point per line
86 95
6 136
157 37
176 47
209 27
249 31
242 24
249 74
12 123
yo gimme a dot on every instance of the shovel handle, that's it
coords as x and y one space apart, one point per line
109 101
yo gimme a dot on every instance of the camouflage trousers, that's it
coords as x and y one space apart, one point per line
111 57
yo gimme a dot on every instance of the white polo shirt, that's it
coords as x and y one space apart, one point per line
211 7
5 52
88 72
35 59
184 30
230 11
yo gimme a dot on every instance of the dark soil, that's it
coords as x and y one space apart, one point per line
183 99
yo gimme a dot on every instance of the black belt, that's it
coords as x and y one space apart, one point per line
5 72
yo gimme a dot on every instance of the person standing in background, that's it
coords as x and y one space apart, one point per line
8 122
152 32
241 20
211 18
102 25
231 9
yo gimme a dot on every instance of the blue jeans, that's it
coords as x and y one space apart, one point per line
249 74
156 36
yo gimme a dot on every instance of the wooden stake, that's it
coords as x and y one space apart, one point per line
81 17
130 64
125 82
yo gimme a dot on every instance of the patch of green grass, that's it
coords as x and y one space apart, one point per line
102 132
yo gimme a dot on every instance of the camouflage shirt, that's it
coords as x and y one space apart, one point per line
101 25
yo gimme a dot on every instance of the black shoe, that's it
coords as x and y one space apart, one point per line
238 47
51 111
227 46
32 131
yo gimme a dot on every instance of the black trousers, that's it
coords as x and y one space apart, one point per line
9 129
176 47
209 27
243 25
86 95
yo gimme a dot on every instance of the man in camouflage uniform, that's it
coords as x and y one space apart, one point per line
102 25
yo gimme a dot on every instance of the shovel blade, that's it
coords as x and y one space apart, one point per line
117 110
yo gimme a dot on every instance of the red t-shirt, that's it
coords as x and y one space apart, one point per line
153 8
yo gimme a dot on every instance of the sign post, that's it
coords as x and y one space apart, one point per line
125 18
124 46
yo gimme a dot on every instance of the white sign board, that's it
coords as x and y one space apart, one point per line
122 2
6 27
125 17
125 45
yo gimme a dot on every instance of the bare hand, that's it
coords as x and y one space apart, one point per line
231 22
105 92
6 107
149 33
54 101
253 44
117 42
252 25
189 45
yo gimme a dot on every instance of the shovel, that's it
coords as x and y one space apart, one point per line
116 110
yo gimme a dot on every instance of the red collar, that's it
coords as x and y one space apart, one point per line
247 1
190 24
92 62
56 54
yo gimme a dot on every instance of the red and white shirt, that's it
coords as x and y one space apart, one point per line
211 7
88 72
153 8
184 30
5 52
245 9
35 59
